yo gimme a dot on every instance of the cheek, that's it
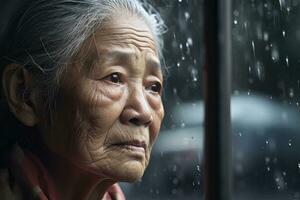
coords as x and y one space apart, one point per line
100 111
87 113
158 115
101 94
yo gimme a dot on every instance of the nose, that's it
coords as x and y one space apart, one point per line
137 110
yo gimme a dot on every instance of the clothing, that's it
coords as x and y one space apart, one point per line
27 178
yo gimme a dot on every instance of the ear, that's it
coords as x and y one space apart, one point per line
17 88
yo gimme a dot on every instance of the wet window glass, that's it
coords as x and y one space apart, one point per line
265 99
175 167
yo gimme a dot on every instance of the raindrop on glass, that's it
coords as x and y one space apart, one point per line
267 141
290 143
291 92
284 173
274 53
187 15
182 125
287 61
266 36
253 47
259 70
180 46
190 41
198 168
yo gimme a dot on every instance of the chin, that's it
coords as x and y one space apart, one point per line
131 171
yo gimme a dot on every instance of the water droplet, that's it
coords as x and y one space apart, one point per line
249 69
279 180
253 47
267 160
182 125
194 74
284 173
275 53
245 25
283 33
266 36
175 91
198 168
187 15
180 46
260 70
290 143
178 64
291 92
190 41
287 61
281 3
179 1
235 21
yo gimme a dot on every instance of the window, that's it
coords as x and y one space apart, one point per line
265 100
175 167
264 103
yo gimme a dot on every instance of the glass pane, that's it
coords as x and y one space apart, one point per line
175 170
265 99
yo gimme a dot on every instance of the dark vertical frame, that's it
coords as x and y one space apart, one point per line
217 78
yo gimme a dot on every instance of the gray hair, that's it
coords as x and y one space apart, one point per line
49 33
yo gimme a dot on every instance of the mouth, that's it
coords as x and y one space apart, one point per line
133 145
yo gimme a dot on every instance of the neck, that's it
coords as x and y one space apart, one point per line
73 183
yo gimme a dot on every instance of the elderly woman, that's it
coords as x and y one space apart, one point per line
82 83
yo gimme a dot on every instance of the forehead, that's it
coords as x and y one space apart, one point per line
124 37
125 29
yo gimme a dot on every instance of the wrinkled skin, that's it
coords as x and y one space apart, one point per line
110 95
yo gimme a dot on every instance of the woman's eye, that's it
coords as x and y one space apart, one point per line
155 87
114 78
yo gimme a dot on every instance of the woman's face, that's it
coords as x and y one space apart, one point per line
109 109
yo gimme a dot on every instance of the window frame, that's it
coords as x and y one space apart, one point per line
217 94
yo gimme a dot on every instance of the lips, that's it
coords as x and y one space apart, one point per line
133 145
